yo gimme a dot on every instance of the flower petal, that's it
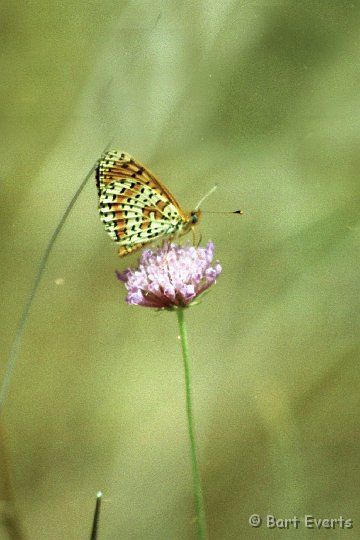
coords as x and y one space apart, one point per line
170 276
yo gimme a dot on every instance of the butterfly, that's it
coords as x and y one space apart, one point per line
135 207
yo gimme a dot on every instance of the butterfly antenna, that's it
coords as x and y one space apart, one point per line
214 188
15 346
95 524
240 212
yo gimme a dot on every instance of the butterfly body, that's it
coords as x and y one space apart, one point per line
135 207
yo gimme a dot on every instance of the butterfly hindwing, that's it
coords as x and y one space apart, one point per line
134 205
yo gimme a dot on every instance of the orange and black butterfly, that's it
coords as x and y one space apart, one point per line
135 207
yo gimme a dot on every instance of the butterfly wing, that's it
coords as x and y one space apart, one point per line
135 207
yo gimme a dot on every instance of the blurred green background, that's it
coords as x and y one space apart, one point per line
262 98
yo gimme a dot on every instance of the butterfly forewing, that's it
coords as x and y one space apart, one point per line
134 206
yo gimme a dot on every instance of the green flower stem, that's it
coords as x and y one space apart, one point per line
198 495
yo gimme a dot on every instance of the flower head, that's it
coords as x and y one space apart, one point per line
170 277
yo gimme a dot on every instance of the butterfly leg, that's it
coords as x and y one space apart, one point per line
193 232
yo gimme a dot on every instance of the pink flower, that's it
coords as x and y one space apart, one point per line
170 277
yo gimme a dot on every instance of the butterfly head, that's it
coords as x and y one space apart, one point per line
189 222
195 216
